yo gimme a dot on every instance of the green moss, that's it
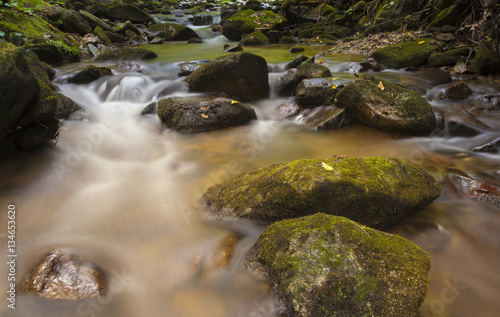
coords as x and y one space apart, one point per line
407 54
258 19
255 38
330 266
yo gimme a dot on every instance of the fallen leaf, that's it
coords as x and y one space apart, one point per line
204 115
392 95
326 166
381 86
335 78
204 108
234 101
320 61
334 86
421 42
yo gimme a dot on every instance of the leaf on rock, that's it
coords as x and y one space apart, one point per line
204 115
381 86
326 166
334 86
421 42
234 101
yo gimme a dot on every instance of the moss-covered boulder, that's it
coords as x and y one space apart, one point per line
191 115
49 43
94 21
101 34
247 21
288 83
387 106
255 38
171 32
450 57
325 265
408 54
122 28
241 75
68 20
130 12
125 54
374 191
315 92
89 74
28 100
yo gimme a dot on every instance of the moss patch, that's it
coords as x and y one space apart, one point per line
407 54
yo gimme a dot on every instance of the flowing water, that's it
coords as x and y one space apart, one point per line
122 191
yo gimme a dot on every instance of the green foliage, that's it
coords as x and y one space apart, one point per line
27 6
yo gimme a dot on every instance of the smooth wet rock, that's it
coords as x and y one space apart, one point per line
393 109
315 92
288 83
456 92
120 54
89 74
464 125
476 189
192 115
490 147
324 265
296 62
407 54
67 107
326 118
240 75
66 276
374 191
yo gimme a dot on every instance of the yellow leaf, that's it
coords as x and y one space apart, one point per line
204 115
320 61
421 42
334 86
381 86
392 95
334 78
326 166
234 101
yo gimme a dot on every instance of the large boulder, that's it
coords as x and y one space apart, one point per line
28 118
374 191
50 44
240 75
315 92
171 32
68 20
324 265
450 57
387 106
126 54
65 276
124 11
247 21
192 115
408 54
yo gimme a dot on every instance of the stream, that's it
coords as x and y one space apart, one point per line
122 191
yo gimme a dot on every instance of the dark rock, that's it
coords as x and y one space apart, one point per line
94 21
287 40
89 74
151 108
475 189
326 118
234 48
189 67
65 276
387 106
255 38
52 53
465 125
274 35
114 37
130 12
458 91
296 62
203 19
323 265
288 83
486 61
125 54
191 116
315 92
370 64
296 49
172 32
216 27
122 28
67 107
374 191
70 20
245 22
240 75
407 54
195 40
490 147
99 32
450 57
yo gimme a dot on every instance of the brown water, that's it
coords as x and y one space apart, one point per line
124 192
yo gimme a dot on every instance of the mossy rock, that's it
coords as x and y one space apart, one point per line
172 32
241 75
324 265
69 21
125 54
89 74
114 37
122 28
407 54
450 57
67 107
374 191
94 21
37 31
255 38
486 61
130 12
247 21
387 106
101 34
193 116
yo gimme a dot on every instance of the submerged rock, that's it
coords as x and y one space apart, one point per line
241 75
374 191
387 106
455 92
476 189
407 54
191 115
326 118
324 265
125 54
65 276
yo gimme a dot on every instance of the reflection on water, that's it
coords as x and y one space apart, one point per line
124 192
